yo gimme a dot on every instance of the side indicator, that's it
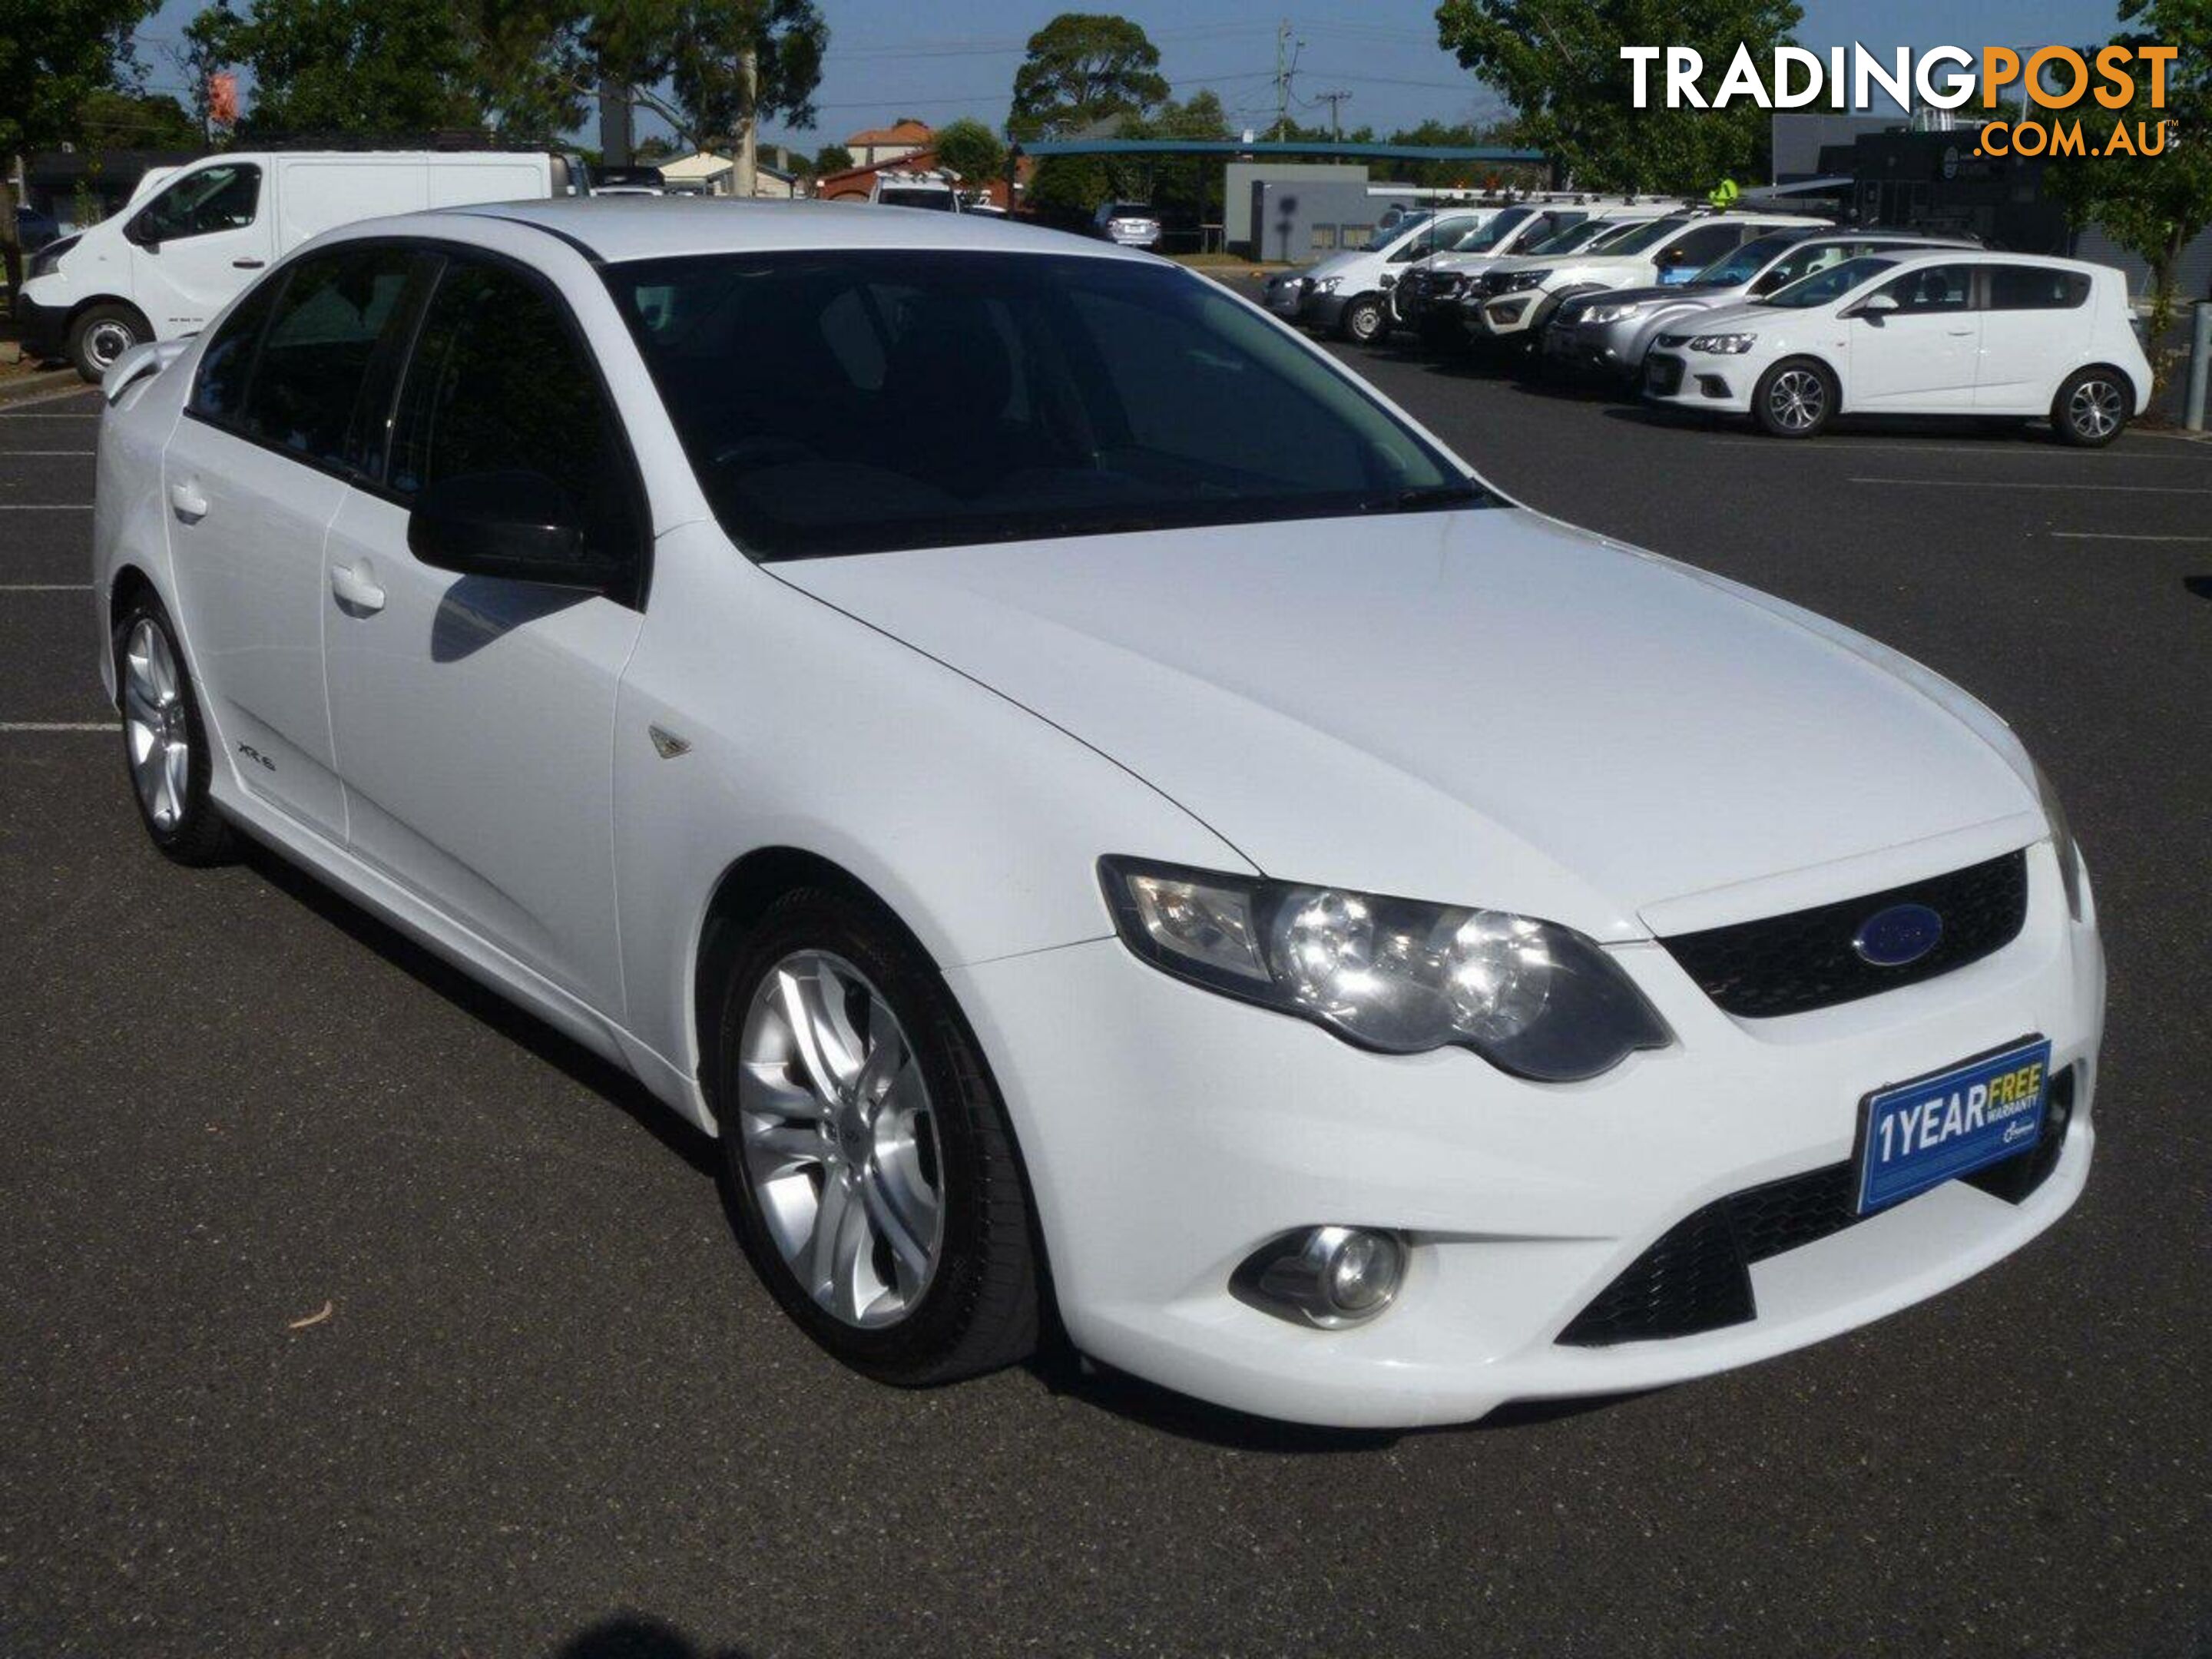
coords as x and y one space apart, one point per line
666 744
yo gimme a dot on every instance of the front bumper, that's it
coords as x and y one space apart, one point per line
1509 316
44 329
1708 381
1607 351
1169 1132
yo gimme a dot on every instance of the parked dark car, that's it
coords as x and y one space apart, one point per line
35 230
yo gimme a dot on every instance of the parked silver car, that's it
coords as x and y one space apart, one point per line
1127 224
1606 333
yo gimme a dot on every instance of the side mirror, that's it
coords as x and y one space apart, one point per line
1874 306
138 235
513 527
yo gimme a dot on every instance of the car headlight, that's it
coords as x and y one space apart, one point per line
1619 313
2061 841
1325 284
1524 279
47 257
1532 998
1725 345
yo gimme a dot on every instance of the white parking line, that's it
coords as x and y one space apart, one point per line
2116 535
56 725
1996 451
2003 484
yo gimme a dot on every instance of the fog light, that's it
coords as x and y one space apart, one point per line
1330 1276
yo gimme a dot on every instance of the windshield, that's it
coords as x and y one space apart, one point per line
1833 283
1391 229
914 196
1614 234
1574 236
1483 238
1738 268
1645 236
858 401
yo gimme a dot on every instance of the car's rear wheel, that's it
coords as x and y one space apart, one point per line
99 335
164 737
871 1170
2091 408
1795 398
1363 319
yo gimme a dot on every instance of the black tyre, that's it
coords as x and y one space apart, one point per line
2092 408
1795 398
871 1169
1362 321
165 740
102 333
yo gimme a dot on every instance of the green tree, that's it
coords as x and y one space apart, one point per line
832 158
1559 64
364 68
1083 68
2152 205
971 149
53 55
113 119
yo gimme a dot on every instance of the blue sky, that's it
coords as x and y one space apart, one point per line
891 57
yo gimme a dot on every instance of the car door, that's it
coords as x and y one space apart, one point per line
254 473
2035 327
473 716
1925 354
196 244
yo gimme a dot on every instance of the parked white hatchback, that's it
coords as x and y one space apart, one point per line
1942 332
1101 812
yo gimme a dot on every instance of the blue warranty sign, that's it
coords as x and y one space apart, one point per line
1916 1135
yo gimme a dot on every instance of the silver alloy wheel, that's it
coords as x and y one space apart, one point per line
839 1140
106 341
2096 409
1797 399
153 723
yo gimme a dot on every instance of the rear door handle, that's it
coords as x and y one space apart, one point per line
192 506
355 587
247 265
1960 333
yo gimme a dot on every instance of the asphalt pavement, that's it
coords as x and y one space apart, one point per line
347 1311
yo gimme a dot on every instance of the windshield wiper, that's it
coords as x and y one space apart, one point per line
1426 498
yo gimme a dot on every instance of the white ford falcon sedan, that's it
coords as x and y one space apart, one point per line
1104 816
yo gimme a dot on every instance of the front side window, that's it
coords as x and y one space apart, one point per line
499 383
857 402
227 363
1485 238
306 395
200 204
1936 288
2036 288
1701 246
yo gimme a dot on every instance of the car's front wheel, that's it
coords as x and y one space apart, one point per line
1363 319
99 335
1795 398
165 739
873 1175
2091 408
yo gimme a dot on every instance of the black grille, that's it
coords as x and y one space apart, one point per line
1662 376
1805 960
1698 1276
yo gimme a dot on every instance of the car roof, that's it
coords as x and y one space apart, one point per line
616 229
1915 258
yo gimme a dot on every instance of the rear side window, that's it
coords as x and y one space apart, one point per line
307 386
499 383
2036 288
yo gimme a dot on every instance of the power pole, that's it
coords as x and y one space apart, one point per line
748 161
1335 102
1286 66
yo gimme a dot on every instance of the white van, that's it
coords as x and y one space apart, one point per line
176 254
1348 294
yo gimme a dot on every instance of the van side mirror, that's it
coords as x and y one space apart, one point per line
511 526
138 235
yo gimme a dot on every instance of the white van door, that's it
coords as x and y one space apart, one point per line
316 193
198 242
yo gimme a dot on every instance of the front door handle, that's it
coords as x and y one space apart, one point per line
192 506
247 265
1959 333
356 589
